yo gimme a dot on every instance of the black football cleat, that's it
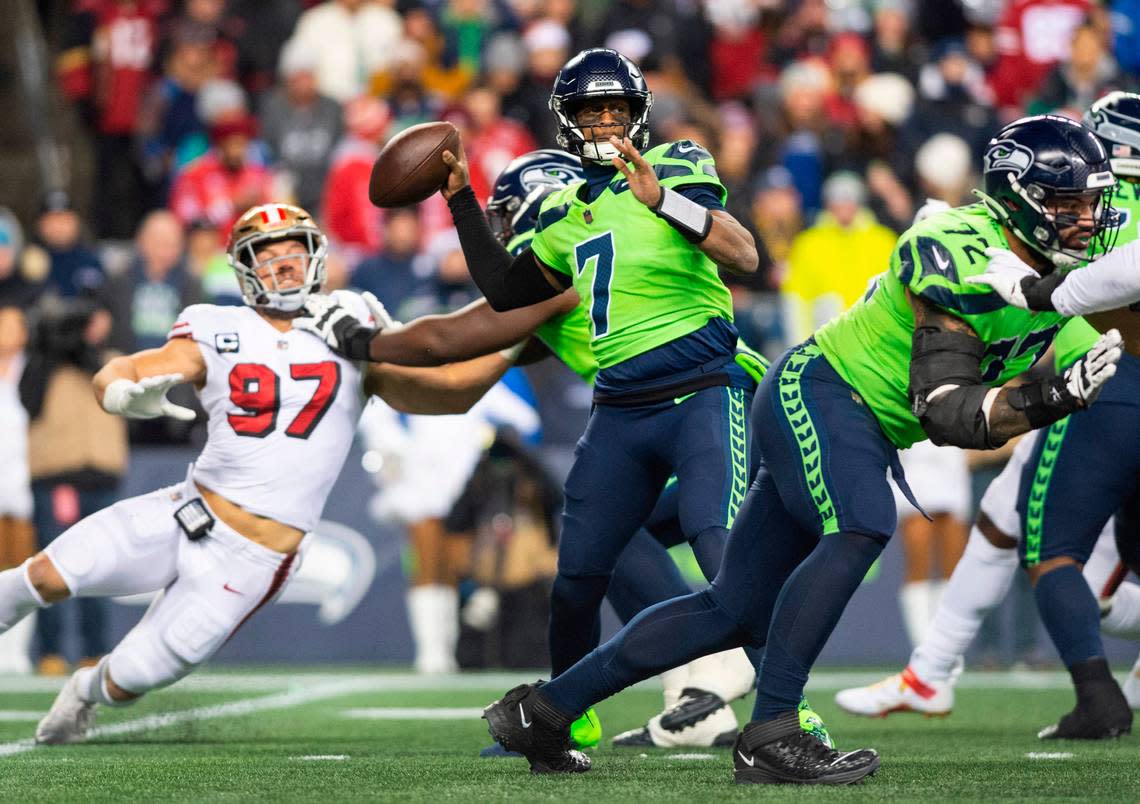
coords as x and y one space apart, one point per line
780 752
525 722
1102 712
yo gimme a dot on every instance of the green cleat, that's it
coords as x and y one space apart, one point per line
586 731
812 723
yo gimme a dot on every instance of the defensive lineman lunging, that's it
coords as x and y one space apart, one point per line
282 412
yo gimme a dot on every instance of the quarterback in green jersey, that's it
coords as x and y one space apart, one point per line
924 355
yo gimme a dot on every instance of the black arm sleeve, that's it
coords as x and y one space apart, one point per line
507 283
939 358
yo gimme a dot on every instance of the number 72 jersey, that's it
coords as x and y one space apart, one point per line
282 411
870 344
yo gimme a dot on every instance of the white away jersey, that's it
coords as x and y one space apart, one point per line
282 411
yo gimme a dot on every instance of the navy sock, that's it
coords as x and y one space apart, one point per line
575 618
661 637
645 574
1070 614
807 610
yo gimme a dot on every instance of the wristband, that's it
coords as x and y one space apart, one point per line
511 353
1043 402
1038 293
687 217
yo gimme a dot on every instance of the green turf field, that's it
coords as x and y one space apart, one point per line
367 736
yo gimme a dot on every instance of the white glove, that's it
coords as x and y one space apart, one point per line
340 329
145 399
1087 376
1004 274
932 207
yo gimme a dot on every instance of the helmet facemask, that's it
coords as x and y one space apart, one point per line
259 286
572 135
1038 219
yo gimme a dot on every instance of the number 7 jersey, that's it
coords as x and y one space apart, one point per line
282 410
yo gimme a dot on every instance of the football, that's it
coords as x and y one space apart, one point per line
409 168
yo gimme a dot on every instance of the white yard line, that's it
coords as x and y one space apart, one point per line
11 715
282 700
222 680
412 713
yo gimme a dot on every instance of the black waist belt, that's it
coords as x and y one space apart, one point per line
664 393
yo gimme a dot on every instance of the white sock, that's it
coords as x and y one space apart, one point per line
18 598
674 681
92 685
16 647
432 613
914 600
979 582
1123 618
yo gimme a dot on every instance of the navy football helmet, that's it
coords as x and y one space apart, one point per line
1116 120
1036 171
600 73
520 188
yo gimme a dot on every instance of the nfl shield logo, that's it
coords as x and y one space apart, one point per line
588 216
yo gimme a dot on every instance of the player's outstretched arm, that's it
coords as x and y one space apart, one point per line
1109 283
470 332
443 390
717 234
508 282
955 407
135 385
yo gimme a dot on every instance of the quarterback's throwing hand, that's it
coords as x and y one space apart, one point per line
1016 282
145 399
642 180
339 328
1087 376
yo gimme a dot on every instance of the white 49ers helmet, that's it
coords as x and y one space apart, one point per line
271 223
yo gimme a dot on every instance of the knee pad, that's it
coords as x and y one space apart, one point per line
168 646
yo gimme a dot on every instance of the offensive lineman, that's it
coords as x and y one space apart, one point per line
282 411
924 355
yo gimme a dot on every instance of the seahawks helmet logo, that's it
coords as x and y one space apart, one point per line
554 177
1008 155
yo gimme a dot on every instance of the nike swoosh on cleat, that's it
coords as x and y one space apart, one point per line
522 716
749 761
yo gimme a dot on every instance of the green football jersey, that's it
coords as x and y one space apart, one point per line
1078 336
869 345
567 335
641 282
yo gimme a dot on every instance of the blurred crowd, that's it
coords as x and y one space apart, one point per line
831 122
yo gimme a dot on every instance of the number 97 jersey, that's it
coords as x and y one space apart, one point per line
282 411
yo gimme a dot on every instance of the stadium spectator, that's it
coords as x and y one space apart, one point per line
158 282
736 51
1125 20
108 54
1089 73
883 102
802 136
952 98
301 126
491 140
17 288
831 263
170 132
17 536
944 168
353 40
206 262
212 15
402 86
449 287
893 48
77 453
352 223
399 269
74 268
223 181
1032 37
